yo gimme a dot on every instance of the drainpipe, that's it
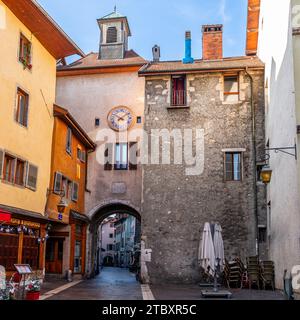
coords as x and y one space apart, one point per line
253 127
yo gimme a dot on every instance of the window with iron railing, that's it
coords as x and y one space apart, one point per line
178 91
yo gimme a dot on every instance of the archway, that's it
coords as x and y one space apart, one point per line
97 216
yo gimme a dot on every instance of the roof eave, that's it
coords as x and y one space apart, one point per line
44 20
64 114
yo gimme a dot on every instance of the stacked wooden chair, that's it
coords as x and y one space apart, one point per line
233 273
268 274
253 272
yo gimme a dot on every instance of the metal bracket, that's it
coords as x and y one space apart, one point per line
283 150
61 192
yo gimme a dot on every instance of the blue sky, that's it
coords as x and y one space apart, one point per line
161 22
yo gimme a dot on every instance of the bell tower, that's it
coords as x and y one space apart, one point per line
114 33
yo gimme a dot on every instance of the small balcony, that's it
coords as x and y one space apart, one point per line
178 98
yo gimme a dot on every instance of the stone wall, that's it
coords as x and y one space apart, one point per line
176 206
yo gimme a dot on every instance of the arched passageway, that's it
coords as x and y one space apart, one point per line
97 218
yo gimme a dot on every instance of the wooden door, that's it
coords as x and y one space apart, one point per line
54 255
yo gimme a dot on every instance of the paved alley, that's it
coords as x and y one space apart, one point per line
111 284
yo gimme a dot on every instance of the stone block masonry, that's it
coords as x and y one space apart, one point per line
175 206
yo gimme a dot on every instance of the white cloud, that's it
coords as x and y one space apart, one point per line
222 11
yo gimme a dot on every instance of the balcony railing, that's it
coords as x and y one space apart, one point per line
178 98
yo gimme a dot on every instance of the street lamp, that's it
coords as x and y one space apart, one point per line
62 205
266 174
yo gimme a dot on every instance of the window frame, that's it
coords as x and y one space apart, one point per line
22 93
69 141
232 153
18 161
225 93
118 167
172 103
27 63
112 36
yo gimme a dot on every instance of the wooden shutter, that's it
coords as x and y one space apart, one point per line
69 141
83 156
57 183
133 155
108 155
1 163
75 191
31 177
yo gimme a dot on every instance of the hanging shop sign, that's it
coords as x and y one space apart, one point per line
5 216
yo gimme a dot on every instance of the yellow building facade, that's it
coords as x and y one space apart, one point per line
31 45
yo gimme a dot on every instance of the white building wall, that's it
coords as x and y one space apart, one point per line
276 50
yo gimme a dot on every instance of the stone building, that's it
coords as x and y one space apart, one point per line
223 100
105 94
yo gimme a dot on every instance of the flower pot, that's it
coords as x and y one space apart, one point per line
34 295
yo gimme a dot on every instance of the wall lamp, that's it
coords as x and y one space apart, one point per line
62 205
266 172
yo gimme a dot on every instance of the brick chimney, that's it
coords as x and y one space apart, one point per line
212 42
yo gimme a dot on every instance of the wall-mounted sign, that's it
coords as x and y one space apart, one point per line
5 216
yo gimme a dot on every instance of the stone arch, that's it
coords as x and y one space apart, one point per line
96 216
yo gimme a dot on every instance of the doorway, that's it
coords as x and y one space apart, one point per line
54 255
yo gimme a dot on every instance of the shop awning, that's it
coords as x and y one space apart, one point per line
5 216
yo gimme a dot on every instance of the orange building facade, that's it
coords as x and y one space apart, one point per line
66 246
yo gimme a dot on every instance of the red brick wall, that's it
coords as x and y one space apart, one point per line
212 45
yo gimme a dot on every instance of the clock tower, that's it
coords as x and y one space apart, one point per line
115 30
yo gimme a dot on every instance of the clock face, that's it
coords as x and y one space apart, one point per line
120 119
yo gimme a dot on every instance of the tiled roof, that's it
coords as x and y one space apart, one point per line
92 61
201 65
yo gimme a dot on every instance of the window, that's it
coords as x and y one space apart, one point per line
75 191
110 247
233 166
31 179
69 141
108 157
97 122
121 156
139 119
14 169
65 185
133 155
81 155
57 183
25 52
20 170
112 35
262 234
22 107
231 88
111 235
178 91
9 168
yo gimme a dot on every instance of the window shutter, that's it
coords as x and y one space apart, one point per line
83 156
133 155
1 163
31 177
57 183
75 191
108 157
69 141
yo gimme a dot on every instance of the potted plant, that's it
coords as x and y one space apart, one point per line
33 290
